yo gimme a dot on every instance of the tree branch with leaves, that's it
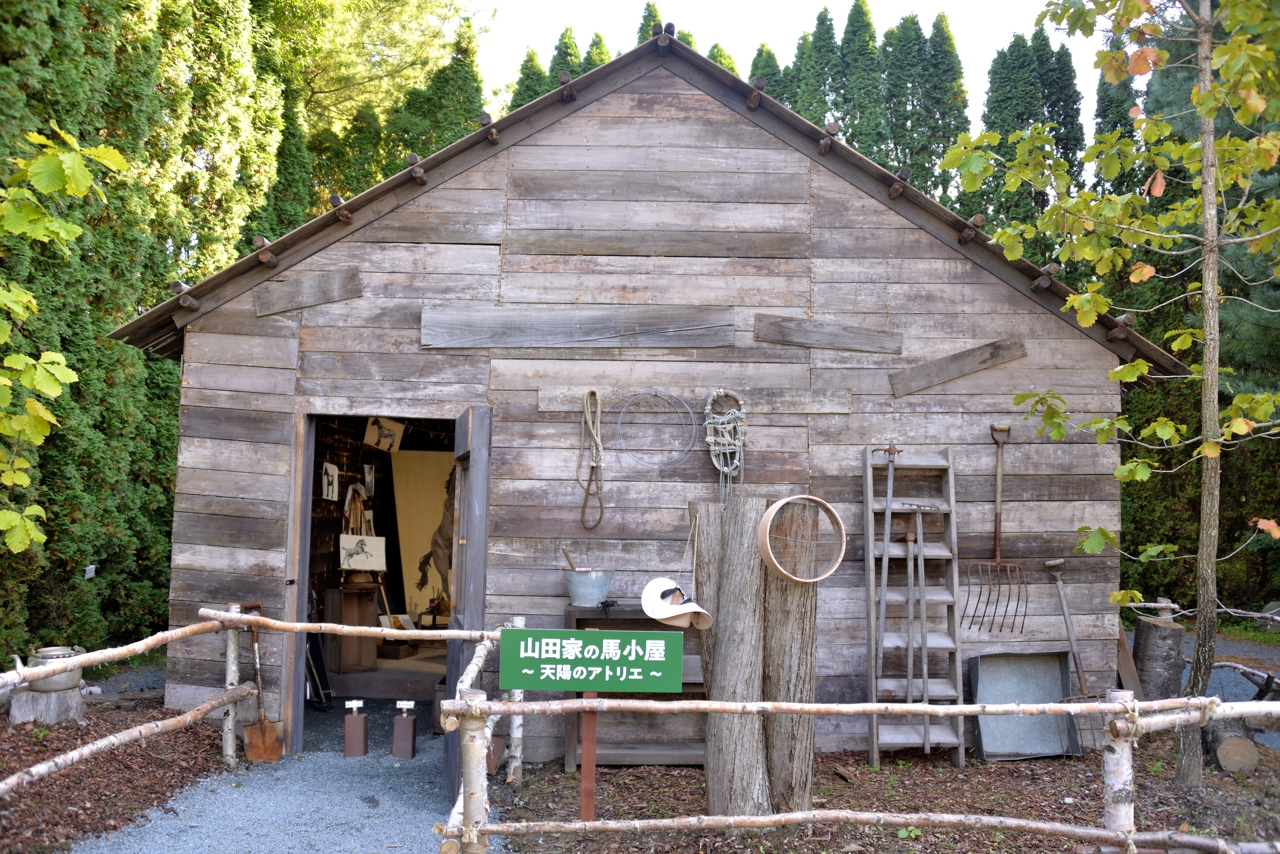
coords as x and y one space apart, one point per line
1232 47
52 173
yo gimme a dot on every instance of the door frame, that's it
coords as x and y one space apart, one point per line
471 439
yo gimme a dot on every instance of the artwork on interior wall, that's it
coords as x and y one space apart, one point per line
369 474
384 434
329 482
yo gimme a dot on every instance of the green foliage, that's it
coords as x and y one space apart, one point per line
721 57
945 104
176 89
447 110
351 162
532 83
648 18
292 196
597 54
820 72
905 53
565 58
685 37
765 64
348 53
861 109
789 90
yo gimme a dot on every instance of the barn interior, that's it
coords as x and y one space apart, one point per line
408 504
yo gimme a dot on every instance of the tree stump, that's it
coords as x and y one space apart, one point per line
1227 743
790 660
729 576
47 707
1157 652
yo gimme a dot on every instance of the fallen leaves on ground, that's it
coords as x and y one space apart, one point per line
106 792
1068 790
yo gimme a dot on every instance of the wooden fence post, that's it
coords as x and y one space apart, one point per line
233 679
473 758
1117 774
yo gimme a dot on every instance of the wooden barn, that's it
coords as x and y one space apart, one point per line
656 225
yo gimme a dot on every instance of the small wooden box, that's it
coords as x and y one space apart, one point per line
350 608
396 650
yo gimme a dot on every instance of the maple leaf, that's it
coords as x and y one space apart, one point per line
1141 272
1268 525
1142 60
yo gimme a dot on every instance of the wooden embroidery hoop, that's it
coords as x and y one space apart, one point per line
762 537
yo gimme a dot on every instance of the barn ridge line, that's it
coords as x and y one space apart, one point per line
160 329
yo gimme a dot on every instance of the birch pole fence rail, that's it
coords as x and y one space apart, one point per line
468 830
468 833
71 757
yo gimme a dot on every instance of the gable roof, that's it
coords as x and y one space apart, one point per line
160 330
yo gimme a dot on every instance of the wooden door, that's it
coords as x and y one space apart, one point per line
470 551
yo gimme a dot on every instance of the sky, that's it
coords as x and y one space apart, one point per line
980 29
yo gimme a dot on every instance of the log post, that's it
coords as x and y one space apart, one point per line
790 660
475 767
1157 652
730 577
1117 774
515 750
1228 744
233 679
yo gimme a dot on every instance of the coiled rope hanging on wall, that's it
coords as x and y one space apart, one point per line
593 485
727 438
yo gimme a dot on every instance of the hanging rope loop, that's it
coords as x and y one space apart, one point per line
727 437
589 433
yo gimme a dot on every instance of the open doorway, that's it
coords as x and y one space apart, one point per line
388 486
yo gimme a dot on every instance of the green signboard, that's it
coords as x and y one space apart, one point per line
602 661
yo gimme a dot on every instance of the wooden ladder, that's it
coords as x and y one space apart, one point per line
896 658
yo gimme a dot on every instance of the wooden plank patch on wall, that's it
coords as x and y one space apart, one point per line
956 365
307 289
564 326
809 332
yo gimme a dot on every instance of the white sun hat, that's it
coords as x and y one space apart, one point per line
665 601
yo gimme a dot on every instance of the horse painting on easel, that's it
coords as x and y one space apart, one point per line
366 553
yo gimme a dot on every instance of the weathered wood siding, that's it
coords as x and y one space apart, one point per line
656 194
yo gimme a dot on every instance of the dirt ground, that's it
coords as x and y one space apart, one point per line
1244 807
106 792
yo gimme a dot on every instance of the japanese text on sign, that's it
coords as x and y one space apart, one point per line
565 660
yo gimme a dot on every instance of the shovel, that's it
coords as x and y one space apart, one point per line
263 740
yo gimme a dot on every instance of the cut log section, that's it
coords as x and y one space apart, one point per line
1228 744
1157 652
919 377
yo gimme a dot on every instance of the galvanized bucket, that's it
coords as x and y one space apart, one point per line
587 587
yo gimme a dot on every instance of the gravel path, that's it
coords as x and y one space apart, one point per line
319 802
1230 685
